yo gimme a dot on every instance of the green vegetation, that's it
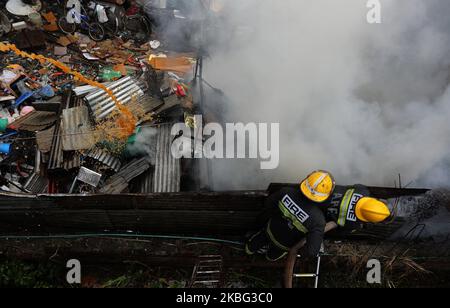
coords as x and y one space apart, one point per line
23 274
29 275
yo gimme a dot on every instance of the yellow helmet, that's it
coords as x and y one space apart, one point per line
371 210
318 186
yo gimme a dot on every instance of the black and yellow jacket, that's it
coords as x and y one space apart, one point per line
340 208
301 217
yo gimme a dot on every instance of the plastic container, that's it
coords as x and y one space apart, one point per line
36 19
3 125
22 99
132 138
5 148
26 110
109 74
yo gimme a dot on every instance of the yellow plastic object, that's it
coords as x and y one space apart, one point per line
371 210
318 186
16 67
126 121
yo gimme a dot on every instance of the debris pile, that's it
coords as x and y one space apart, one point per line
88 93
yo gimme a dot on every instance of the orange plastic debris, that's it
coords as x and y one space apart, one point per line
126 121
52 20
50 17
52 27
121 69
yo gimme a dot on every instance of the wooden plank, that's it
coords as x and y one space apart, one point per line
160 222
190 213
233 201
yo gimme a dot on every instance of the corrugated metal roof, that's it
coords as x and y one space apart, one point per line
143 184
105 158
34 121
134 168
119 182
44 139
167 169
56 158
72 160
170 103
56 153
124 89
145 104
76 129
36 184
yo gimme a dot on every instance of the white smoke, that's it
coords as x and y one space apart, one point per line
145 144
366 102
426 216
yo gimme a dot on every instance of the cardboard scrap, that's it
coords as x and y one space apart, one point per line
64 41
178 64
65 59
60 51
53 27
67 40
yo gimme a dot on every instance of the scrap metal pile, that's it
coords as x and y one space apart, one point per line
87 100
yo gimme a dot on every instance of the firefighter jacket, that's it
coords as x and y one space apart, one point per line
294 217
340 208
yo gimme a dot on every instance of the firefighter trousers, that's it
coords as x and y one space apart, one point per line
278 236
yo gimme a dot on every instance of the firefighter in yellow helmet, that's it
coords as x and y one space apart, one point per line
294 213
350 206
318 186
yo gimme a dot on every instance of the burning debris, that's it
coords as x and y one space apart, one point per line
88 91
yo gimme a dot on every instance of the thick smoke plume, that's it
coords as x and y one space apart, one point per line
145 144
364 101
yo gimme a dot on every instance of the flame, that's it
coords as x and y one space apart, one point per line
126 121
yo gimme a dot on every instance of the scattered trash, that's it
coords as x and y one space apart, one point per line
110 74
19 26
36 19
88 56
5 24
60 51
81 113
52 22
20 8
5 148
86 176
172 64
155 44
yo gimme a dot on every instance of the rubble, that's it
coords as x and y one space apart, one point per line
73 110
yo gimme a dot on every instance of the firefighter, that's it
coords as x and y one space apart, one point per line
295 214
350 206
